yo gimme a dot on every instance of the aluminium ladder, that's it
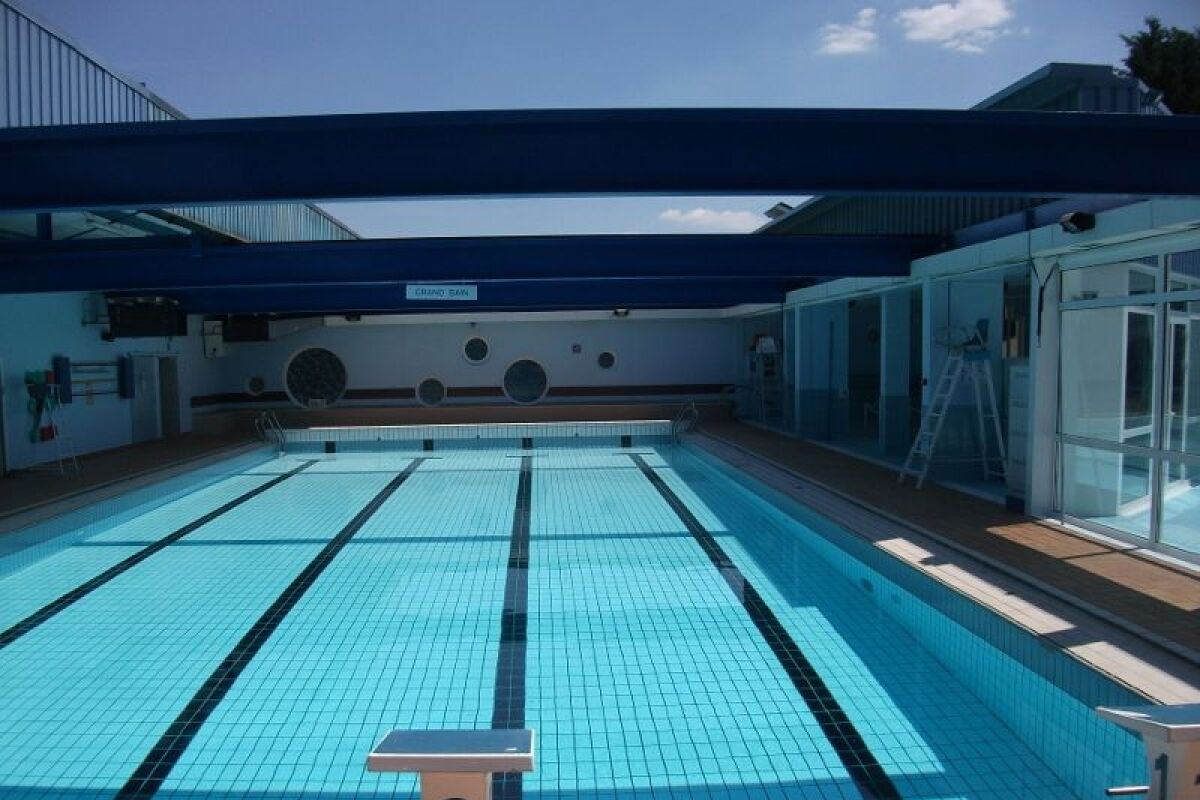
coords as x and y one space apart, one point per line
972 359
64 444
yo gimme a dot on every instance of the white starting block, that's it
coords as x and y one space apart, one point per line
1172 737
454 765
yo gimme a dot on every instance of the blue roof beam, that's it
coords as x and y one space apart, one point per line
521 296
162 263
596 152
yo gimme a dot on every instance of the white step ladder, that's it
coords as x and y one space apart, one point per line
973 360
64 445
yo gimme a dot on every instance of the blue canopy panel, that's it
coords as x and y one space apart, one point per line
593 152
163 263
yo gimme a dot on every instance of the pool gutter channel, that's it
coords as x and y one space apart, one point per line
865 770
154 769
1185 667
51 609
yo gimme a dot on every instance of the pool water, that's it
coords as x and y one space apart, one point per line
665 631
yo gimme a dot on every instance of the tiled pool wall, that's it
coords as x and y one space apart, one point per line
1043 694
460 437
23 546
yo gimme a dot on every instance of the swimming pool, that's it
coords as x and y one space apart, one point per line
667 628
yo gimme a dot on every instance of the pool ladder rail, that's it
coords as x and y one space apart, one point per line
267 426
684 421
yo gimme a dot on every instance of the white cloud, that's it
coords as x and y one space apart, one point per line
839 39
711 219
968 26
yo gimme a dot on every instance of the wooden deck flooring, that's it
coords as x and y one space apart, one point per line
1150 595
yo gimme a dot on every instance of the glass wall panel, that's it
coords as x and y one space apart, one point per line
1130 375
1182 383
1138 276
1108 488
1109 358
1181 506
1184 271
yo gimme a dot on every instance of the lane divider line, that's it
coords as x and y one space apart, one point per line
865 770
81 591
508 708
162 758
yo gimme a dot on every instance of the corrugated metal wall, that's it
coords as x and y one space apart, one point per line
901 215
45 80
1071 93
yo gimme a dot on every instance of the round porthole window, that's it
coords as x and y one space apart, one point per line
525 381
476 350
431 392
315 378
606 360
255 386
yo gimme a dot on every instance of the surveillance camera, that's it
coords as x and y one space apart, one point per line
1077 221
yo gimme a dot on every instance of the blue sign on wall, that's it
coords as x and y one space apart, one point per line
441 291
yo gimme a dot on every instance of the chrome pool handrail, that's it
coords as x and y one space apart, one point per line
268 427
684 421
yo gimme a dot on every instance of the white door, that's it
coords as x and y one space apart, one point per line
145 405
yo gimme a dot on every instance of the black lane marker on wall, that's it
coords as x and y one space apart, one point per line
527 443
626 441
165 754
508 709
49 610
427 445
872 782
330 447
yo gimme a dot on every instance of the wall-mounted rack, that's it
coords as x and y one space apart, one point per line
90 379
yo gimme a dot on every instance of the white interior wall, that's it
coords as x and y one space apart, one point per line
36 327
648 352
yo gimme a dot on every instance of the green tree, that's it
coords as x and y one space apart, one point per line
1168 61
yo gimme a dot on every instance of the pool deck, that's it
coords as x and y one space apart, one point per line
25 490
1126 612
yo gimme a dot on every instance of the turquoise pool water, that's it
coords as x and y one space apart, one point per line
666 630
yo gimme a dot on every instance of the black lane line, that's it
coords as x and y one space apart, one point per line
872 782
508 708
47 611
165 754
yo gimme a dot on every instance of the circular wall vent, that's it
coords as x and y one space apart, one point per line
606 360
431 392
476 350
314 378
255 386
525 381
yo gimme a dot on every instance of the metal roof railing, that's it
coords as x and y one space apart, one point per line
45 79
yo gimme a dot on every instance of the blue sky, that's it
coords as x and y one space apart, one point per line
225 58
